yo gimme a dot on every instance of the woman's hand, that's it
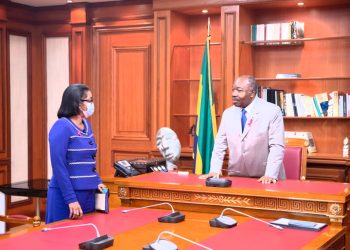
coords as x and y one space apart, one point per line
75 211
101 186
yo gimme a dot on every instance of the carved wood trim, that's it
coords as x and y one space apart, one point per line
335 211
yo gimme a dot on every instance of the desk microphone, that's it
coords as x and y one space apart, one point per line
174 217
100 242
227 222
163 244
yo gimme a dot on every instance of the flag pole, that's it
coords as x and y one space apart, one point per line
208 35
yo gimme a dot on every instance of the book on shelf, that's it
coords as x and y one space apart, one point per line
343 104
287 75
348 105
294 103
273 32
286 32
318 108
309 105
322 99
303 135
333 104
277 31
258 32
297 30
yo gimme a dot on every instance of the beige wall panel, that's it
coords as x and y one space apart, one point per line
19 109
57 79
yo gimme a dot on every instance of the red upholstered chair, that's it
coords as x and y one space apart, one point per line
295 158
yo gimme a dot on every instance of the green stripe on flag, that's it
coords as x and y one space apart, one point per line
206 119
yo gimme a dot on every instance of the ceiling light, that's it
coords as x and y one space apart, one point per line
69 1
300 4
204 11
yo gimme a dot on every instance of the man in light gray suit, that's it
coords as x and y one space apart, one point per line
253 131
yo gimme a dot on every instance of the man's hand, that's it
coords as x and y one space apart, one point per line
211 174
75 211
267 180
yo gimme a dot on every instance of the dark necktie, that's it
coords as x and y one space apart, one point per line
243 119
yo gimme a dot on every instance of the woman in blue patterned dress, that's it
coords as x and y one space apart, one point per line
71 191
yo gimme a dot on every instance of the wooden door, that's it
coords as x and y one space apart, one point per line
124 93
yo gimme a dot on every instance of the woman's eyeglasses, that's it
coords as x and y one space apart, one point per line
83 100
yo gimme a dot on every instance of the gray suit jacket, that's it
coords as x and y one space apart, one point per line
256 152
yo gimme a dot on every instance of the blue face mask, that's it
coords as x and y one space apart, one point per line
90 108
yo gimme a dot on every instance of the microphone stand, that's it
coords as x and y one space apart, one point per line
252 217
174 217
45 229
100 242
154 205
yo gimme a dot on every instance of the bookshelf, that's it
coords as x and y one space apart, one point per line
186 62
321 57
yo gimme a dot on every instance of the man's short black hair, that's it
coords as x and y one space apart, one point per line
71 99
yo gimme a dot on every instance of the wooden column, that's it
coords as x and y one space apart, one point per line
230 49
4 107
161 71
81 45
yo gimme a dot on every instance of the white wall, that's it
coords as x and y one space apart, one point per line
57 79
19 109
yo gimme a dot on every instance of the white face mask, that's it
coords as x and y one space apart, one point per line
90 108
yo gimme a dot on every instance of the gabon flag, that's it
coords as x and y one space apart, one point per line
206 128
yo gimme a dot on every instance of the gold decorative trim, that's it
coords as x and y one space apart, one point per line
123 192
223 199
271 204
335 209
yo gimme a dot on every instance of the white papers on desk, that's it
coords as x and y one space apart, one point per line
299 224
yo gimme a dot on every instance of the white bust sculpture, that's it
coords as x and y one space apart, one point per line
169 146
346 147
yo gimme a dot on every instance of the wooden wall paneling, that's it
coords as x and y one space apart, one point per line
38 106
161 72
230 49
81 54
246 18
4 165
4 110
118 155
81 44
185 4
121 13
131 80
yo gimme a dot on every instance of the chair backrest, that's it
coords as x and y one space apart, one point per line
295 158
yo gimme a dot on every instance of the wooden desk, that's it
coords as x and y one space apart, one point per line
138 228
321 201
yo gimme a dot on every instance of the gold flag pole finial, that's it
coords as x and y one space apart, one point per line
209 28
